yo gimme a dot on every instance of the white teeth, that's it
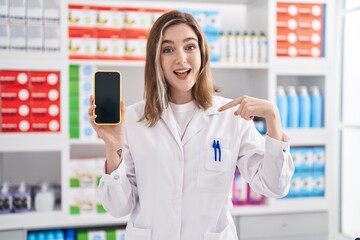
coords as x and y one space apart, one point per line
182 71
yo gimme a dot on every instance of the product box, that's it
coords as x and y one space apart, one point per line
17 9
35 37
110 18
240 190
214 45
156 13
296 185
51 36
4 9
111 45
82 43
34 9
85 172
18 37
45 79
82 201
86 88
319 159
15 123
306 184
4 37
298 158
82 16
135 45
308 159
213 22
14 78
318 184
51 10
137 19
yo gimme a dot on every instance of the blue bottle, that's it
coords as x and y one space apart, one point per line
317 107
304 107
282 104
70 234
293 107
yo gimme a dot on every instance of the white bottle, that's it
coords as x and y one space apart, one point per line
224 56
247 48
240 47
232 47
44 199
263 48
254 48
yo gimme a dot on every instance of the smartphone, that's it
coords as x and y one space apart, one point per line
107 95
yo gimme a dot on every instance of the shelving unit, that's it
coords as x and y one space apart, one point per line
258 80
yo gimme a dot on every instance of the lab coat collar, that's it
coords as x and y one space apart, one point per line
198 122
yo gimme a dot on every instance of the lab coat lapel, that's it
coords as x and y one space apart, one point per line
199 121
170 122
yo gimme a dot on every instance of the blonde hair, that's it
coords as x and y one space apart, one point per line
156 91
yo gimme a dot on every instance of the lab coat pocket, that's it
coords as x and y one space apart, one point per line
213 172
224 235
134 233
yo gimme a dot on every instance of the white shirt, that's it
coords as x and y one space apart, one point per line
174 189
183 114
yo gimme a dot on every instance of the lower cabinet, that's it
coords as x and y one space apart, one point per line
299 226
13 235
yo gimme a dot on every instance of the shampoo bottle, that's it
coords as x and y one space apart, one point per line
293 107
282 104
304 107
22 199
317 107
5 199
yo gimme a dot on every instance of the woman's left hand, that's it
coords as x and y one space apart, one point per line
250 107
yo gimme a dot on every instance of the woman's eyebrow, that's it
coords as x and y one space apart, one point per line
185 40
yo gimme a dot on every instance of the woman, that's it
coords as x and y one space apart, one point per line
170 163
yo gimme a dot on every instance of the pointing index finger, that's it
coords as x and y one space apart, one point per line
231 104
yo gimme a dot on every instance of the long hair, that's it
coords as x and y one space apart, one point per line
156 90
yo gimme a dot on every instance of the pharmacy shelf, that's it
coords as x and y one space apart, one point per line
141 64
29 61
32 142
308 136
55 219
278 206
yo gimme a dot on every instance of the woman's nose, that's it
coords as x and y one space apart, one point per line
181 57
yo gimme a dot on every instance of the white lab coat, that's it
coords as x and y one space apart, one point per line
173 188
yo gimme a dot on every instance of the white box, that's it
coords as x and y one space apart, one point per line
4 9
4 37
35 38
18 37
34 9
17 9
51 37
51 10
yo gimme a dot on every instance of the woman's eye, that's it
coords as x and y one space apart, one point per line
190 47
167 50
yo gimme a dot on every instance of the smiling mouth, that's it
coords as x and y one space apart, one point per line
182 73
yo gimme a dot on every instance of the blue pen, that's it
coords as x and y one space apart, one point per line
214 147
219 147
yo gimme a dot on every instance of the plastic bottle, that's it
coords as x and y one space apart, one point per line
317 107
254 48
293 107
232 47
224 56
304 107
247 47
282 104
44 199
239 47
59 235
22 199
5 199
70 234
263 48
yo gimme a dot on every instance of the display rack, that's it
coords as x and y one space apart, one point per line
258 80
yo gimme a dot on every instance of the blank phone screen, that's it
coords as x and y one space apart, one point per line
107 97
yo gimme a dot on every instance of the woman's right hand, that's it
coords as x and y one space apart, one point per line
112 135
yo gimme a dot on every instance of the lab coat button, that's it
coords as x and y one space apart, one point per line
285 149
116 177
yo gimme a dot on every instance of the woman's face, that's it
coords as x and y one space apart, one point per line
180 61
